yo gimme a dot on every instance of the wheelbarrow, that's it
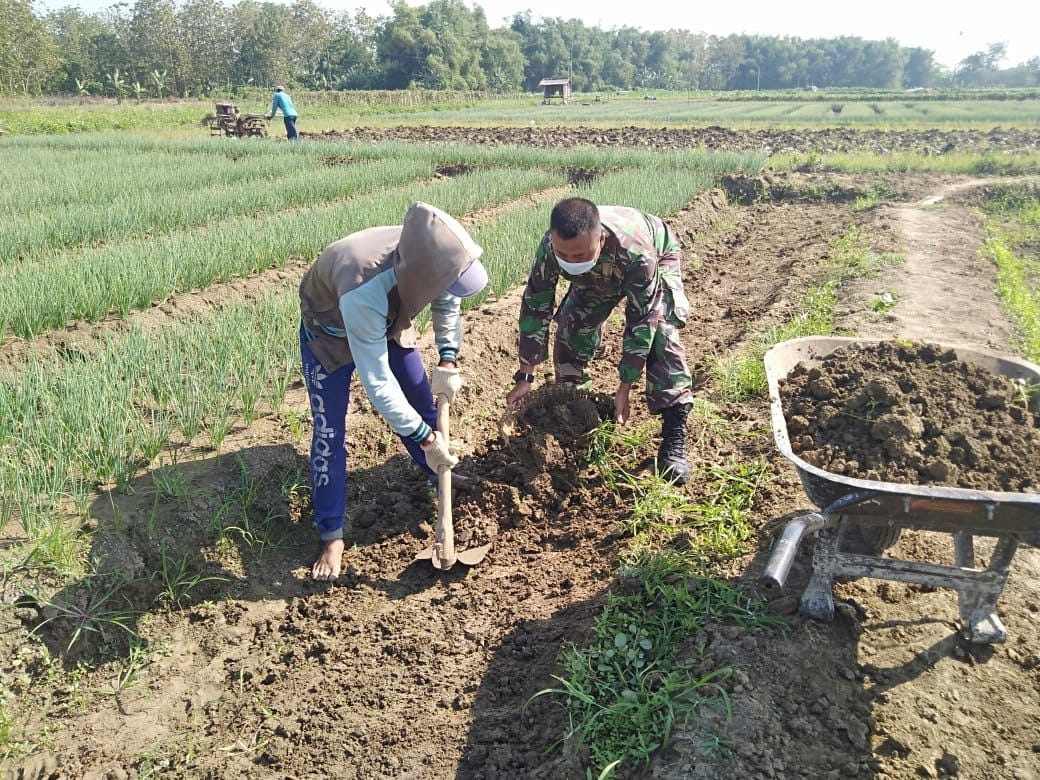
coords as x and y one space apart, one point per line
858 519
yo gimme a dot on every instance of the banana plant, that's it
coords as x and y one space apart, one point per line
159 78
117 84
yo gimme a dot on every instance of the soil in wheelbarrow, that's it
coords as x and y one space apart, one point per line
914 413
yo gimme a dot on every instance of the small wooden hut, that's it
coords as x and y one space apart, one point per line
555 89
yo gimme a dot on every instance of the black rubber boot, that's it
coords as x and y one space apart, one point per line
671 457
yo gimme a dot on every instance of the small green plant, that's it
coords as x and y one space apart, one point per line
989 162
219 424
296 421
237 520
14 742
876 194
1028 393
884 302
179 576
105 612
128 670
721 520
624 693
169 480
613 449
810 162
57 547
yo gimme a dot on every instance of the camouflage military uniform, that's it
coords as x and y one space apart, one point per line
640 262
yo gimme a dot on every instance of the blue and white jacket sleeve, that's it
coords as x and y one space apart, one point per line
364 311
445 312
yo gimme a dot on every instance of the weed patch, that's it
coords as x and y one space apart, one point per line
627 689
624 693
1016 283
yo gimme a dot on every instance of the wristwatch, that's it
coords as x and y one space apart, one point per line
523 376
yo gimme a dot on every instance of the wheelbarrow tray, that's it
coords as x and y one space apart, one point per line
939 508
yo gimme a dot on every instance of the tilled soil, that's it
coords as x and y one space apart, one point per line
399 671
769 141
900 412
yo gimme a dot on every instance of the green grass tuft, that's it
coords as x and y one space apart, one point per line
623 692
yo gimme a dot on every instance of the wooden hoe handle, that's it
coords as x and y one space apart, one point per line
444 556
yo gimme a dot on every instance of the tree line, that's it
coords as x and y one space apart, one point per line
157 48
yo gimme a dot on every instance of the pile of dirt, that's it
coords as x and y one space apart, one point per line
535 471
914 413
780 187
769 141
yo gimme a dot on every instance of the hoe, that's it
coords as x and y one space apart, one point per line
443 554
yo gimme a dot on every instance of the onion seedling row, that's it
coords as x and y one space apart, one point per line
49 179
29 236
694 159
135 274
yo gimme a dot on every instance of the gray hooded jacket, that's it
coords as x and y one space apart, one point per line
364 290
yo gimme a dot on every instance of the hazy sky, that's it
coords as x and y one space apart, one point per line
953 29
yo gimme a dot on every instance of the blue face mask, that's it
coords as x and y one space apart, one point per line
575 269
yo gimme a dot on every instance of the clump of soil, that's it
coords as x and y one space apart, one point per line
780 188
579 176
535 472
915 414
338 159
450 171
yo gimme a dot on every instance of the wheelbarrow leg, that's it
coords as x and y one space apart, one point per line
818 596
978 605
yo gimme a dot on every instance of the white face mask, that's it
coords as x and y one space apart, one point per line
575 269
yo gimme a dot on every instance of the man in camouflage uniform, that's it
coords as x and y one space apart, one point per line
608 254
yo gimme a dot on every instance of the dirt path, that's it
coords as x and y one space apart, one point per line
396 671
945 288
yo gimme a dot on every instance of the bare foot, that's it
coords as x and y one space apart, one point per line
330 560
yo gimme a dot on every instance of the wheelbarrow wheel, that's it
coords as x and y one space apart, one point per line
866 539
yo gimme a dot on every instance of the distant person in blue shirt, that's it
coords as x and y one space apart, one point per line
284 102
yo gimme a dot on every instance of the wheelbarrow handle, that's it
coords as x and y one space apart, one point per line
784 550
